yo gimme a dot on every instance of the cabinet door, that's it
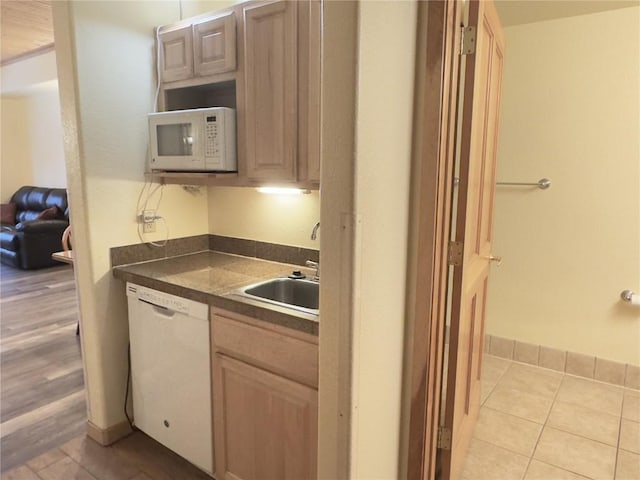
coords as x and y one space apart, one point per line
215 45
176 54
271 90
265 425
309 44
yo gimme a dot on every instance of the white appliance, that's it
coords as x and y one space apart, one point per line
202 139
171 372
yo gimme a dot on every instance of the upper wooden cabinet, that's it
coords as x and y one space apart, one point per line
214 45
309 76
198 49
281 91
176 54
271 90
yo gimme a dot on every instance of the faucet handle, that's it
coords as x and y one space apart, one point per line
316 265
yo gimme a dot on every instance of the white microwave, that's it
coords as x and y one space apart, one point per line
202 139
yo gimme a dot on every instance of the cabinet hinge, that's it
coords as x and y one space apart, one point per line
444 438
468 43
455 253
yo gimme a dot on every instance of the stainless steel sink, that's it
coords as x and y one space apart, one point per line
299 294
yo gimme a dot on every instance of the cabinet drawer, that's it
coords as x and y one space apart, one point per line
290 356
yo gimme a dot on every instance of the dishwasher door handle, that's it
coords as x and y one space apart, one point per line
159 309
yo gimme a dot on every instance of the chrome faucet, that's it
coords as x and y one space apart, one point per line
314 232
316 265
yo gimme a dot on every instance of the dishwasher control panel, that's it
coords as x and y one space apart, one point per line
167 301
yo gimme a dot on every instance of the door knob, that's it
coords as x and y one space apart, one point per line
494 258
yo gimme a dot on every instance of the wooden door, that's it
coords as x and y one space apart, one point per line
176 54
479 134
214 45
271 90
265 424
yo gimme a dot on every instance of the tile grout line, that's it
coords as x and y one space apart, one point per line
544 425
496 384
501 377
615 468
566 470
561 429
30 469
581 436
513 416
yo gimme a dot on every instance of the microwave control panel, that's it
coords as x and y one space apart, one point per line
212 139
219 147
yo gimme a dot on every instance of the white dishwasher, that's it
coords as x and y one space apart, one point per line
171 372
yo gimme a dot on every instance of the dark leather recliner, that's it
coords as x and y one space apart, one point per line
30 242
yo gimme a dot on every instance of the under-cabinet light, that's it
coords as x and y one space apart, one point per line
282 190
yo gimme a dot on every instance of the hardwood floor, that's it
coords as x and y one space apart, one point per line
42 411
42 400
136 457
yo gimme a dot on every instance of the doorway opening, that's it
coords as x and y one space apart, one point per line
559 377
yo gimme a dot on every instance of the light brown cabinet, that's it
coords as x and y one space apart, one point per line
176 54
214 45
281 91
202 48
309 76
270 90
265 399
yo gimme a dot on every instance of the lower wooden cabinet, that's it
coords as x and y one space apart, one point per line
265 401
267 425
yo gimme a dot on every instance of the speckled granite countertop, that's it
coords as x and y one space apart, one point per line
211 277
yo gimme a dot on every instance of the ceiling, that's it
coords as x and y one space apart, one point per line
516 12
27 28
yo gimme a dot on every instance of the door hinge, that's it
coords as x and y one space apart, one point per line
468 43
444 438
455 253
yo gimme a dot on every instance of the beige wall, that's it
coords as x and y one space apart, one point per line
20 77
15 154
192 8
339 78
106 75
32 150
45 138
383 158
570 113
247 213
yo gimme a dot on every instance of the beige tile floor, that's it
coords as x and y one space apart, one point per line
538 424
136 457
